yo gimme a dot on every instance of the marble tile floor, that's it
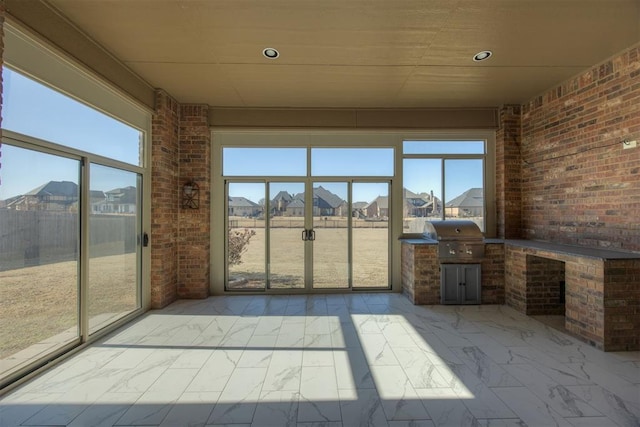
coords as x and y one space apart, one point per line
332 360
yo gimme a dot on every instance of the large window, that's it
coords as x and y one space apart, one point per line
71 185
314 210
54 114
443 180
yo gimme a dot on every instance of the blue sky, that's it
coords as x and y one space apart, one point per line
420 175
33 109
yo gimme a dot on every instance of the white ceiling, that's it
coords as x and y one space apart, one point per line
357 53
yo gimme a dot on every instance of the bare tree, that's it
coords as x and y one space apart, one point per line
238 241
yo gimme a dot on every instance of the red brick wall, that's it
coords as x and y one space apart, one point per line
164 201
543 285
584 309
578 185
421 274
194 224
493 274
622 304
515 282
508 173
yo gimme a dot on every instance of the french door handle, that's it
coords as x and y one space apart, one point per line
308 235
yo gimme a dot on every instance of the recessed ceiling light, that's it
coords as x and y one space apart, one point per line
481 56
270 53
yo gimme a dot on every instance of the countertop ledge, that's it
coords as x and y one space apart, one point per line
570 250
574 250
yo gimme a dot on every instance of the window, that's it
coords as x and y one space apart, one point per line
55 114
443 180
264 161
72 154
352 161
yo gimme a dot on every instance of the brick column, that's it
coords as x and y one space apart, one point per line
164 201
194 224
509 173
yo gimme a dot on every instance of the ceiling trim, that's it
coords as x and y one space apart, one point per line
424 118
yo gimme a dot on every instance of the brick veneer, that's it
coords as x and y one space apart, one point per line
579 185
602 295
194 225
544 290
622 304
421 274
493 274
508 173
164 200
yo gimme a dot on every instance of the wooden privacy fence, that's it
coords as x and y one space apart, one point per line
40 237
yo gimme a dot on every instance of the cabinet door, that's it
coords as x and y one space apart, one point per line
471 289
450 284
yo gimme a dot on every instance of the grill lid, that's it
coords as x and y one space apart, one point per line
463 230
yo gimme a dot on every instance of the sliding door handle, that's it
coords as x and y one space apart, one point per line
312 235
305 236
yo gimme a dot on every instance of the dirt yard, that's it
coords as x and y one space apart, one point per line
40 302
330 255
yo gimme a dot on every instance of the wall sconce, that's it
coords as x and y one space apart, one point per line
191 195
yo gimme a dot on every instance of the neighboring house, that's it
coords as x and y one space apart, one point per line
98 202
295 208
121 200
60 196
280 202
325 203
241 206
379 208
469 203
420 205
358 209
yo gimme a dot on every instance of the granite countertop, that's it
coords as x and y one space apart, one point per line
574 250
424 241
419 241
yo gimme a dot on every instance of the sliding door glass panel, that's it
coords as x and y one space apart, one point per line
330 212
39 243
246 236
286 231
114 245
464 190
370 234
421 194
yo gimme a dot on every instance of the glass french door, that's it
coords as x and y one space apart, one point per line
307 235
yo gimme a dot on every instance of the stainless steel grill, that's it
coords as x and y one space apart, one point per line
458 240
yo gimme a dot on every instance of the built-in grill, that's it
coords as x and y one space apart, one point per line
459 241
460 252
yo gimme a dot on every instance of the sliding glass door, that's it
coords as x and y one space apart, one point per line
115 246
39 256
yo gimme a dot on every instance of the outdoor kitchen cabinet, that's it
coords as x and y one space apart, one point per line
460 283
